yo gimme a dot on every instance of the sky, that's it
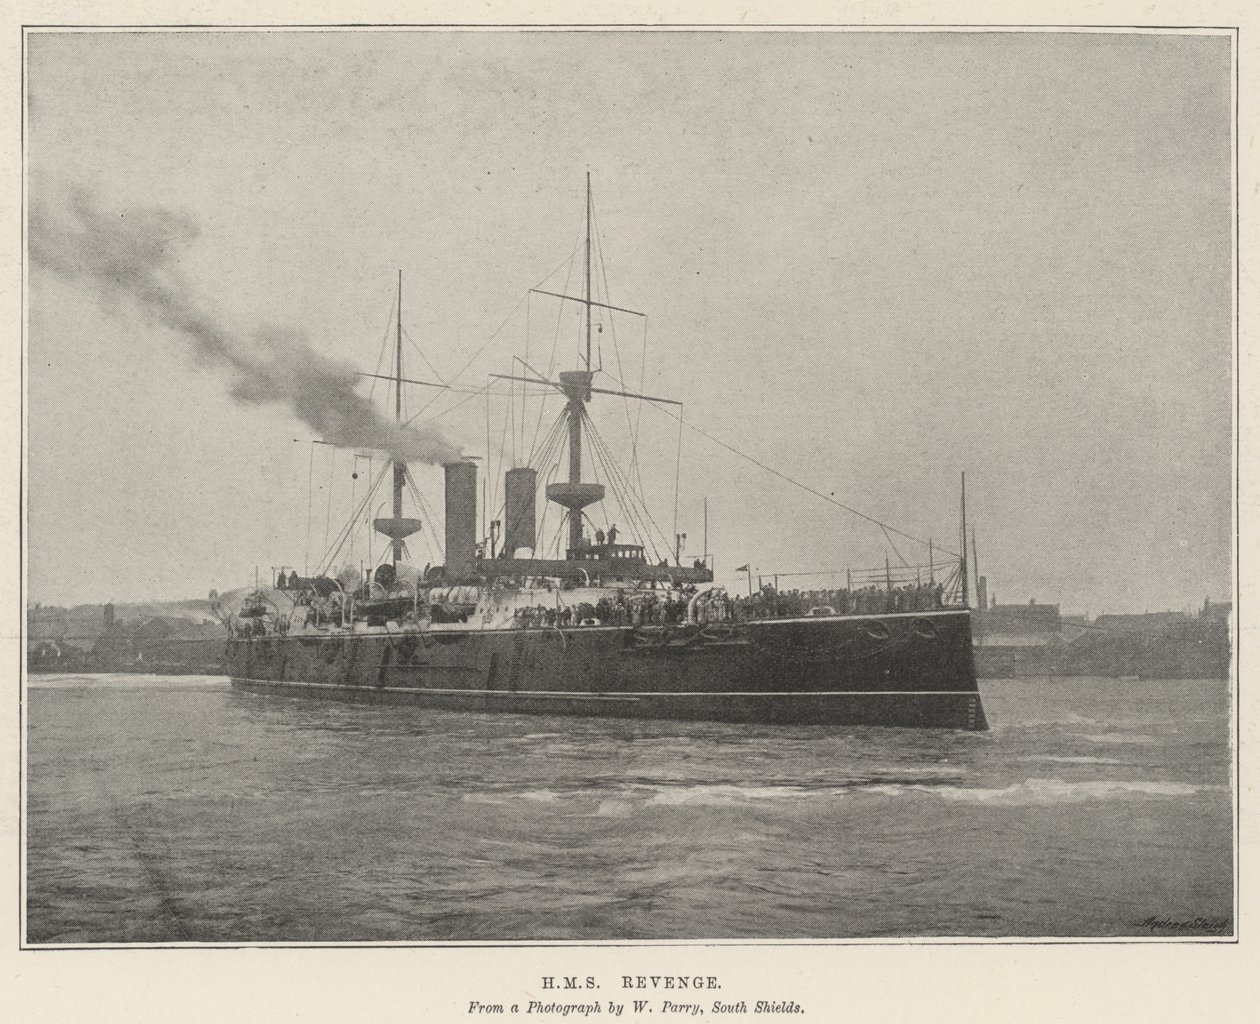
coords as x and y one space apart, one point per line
871 261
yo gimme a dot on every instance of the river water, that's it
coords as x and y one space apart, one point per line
173 809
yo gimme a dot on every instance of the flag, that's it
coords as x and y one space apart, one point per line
742 568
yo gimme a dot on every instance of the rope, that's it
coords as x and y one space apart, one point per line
795 483
420 353
346 531
628 507
677 477
488 341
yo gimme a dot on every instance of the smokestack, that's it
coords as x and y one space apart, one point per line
520 486
461 518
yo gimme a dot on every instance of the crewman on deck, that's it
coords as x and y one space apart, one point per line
612 534
599 536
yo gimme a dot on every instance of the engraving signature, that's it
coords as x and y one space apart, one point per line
1206 925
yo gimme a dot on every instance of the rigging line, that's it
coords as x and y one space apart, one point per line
635 472
354 482
494 484
858 574
554 546
677 477
524 392
620 370
420 353
538 456
552 452
380 356
346 531
523 403
601 458
634 521
511 418
332 461
548 453
553 449
640 510
555 345
638 412
892 545
502 446
493 336
471 360
310 490
549 443
489 470
797 483
539 526
425 516
463 401
351 525
465 390
555 339
603 511
428 519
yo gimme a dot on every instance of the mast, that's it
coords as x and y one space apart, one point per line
575 495
587 295
963 566
400 467
980 597
576 400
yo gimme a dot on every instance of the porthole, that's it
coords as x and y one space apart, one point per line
876 630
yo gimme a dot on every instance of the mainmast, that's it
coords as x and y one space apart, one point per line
587 295
576 385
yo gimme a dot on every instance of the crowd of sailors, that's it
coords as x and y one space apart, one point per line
635 608
870 600
667 608
675 606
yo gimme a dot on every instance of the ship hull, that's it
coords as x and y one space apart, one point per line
913 670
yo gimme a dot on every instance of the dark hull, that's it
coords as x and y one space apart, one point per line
897 670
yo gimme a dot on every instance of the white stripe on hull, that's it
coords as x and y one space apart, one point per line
631 695
457 629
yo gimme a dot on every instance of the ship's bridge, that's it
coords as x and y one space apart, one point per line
623 554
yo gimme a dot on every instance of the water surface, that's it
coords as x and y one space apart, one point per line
175 809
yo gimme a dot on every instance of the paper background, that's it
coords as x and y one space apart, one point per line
859 981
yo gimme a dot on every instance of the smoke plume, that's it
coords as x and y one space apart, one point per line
132 259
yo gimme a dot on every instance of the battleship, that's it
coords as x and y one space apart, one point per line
599 627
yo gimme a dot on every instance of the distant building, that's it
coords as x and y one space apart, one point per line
55 656
1021 620
1217 611
1147 622
160 643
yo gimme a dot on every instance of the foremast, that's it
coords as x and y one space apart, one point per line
397 528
